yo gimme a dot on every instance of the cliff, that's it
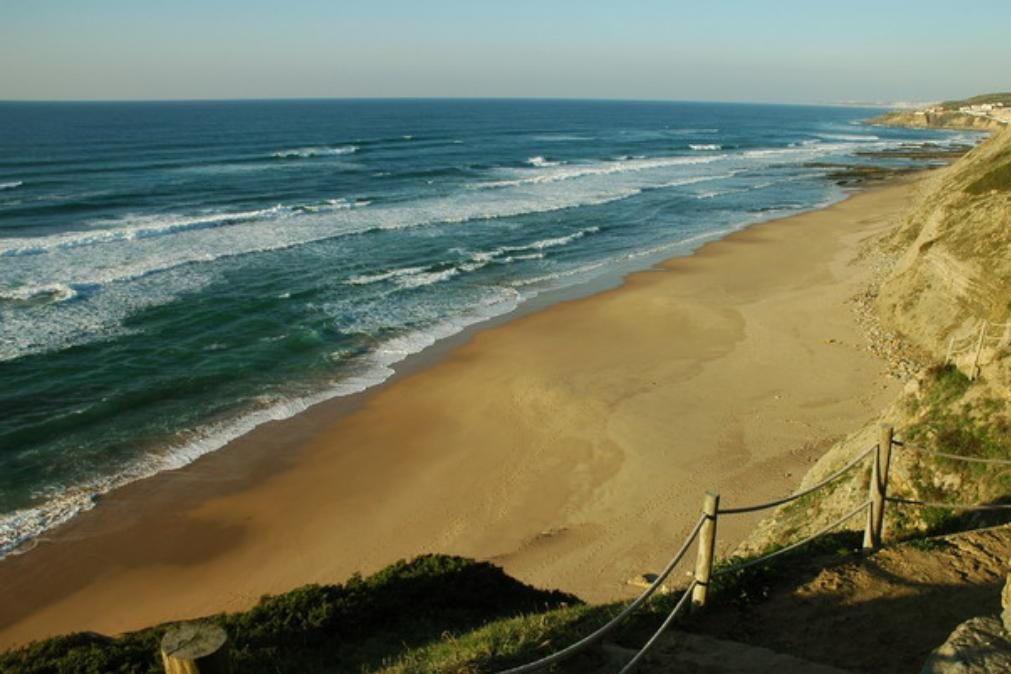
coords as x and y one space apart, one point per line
987 112
940 120
954 251
950 269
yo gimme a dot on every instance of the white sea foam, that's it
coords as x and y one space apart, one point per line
521 258
130 228
415 277
332 205
134 249
561 137
554 241
63 502
800 153
541 162
427 278
683 245
366 279
847 136
123 260
49 322
572 172
551 279
705 147
680 182
53 292
535 249
11 185
307 152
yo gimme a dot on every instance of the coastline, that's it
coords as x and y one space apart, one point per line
600 432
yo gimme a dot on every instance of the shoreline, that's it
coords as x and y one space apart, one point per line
85 498
225 506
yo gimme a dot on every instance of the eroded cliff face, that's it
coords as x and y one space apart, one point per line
954 252
952 270
941 120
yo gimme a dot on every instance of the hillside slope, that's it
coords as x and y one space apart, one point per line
954 266
950 268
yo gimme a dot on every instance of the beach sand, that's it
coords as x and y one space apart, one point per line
572 445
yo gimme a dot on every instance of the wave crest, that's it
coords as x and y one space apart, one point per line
308 152
541 162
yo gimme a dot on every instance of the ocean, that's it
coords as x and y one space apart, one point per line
174 274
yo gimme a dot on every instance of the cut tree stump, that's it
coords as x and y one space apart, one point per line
196 648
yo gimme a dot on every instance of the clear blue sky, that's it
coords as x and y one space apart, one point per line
757 50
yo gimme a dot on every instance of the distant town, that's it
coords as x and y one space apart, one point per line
996 111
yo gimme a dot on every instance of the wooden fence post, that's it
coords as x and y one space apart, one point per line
707 549
196 648
974 372
878 488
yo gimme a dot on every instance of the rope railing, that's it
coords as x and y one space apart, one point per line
954 457
704 532
975 344
828 480
949 506
793 546
603 630
682 603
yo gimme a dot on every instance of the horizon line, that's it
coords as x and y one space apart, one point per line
849 104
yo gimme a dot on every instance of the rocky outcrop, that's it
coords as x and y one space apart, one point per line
977 646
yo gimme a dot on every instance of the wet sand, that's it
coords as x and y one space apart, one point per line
571 445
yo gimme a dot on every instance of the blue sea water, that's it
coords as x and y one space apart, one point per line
174 274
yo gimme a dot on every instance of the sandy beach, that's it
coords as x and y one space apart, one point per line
571 445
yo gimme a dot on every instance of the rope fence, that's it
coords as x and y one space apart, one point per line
682 603
975 343
951 457
602 631
949 506
696 595
790 548
824 483
955 457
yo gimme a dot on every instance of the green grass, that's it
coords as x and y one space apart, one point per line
433 615
1003 97
353 627
950 420
998 179
755 583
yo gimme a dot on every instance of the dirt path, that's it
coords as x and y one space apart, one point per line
880 614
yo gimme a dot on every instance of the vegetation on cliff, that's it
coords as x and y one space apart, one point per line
953 268
951 271
953 114
356 626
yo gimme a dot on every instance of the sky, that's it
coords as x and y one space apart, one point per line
788 51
